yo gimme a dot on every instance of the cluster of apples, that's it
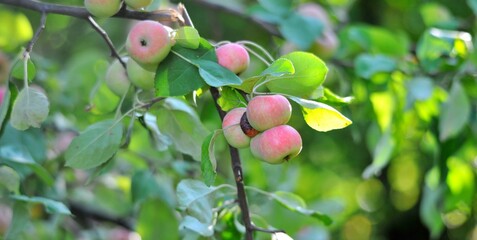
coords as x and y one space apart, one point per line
262 126
108 8
147 44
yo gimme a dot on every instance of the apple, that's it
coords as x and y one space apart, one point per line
233 56
103 8
140 76
232 131
117 79
267 111
277 144
137 4
148 43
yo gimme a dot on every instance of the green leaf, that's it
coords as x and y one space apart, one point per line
145 186
215 75
193 224
155 220
320 116
10 179
19 70
420 88
460 184
187 37
103 100
281 236
329 97
190 191
175 76
208 163
160 140
473 5
20 219
279 7
455 113
356 39
368 65
30 109
51 206
95 145
278 68
295 203
430 207
310 72
381 155
183 125
437 15
303 36
7 105
18 155
230 99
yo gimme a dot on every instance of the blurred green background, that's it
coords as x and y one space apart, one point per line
405 168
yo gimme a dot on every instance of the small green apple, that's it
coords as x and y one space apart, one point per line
117 79
103 8
139 76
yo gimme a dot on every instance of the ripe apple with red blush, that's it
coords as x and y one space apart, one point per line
233 56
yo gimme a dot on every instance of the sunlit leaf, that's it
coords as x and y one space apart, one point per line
383 105
461 184
310 72
15 29
95 145
329 97
208 161
320 116
279 67
187 37
51 206
30 109
230 99
455 113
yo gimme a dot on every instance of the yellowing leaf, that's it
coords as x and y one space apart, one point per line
320 116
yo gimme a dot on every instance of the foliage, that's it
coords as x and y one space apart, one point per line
155 163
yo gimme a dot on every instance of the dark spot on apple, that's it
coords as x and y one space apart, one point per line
246 127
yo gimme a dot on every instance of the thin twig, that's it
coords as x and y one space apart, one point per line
237 170
37 33
169 15
106 38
